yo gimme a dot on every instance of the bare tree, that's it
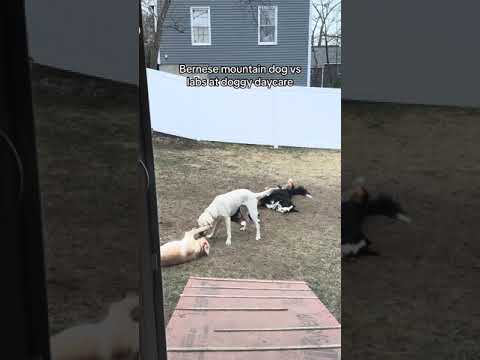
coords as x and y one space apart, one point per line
327 14
154 15
252 7
327 27
148 23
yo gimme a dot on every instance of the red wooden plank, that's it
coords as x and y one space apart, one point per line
270 355
247 280
246 287
197 329
246 283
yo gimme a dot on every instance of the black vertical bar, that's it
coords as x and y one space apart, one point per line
152 271
24 242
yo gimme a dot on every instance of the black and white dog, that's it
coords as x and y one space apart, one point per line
281 199
354 212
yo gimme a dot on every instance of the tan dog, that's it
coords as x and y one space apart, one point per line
116 336
189 248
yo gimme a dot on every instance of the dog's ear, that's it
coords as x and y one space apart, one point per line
205 246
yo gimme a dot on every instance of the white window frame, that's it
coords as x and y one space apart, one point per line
209 25
276 25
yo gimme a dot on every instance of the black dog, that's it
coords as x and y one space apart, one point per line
281 200
355 211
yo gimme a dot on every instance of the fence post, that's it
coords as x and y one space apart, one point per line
272 123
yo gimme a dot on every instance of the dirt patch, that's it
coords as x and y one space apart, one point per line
414 301
303 246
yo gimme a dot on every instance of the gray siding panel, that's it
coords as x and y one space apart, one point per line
411 51
235 38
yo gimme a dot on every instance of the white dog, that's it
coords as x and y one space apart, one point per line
116 335
226 205
180 251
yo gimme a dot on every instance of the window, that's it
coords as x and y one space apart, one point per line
200 25
267 25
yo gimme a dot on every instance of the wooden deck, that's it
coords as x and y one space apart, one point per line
233 319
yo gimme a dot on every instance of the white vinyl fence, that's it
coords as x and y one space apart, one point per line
295 116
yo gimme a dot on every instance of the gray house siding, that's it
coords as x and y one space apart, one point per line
88 40
234 36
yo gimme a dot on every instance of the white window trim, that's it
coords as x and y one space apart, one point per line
276 26
209 25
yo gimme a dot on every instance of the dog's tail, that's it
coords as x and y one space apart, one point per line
265 193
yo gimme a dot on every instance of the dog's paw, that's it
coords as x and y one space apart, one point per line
258 237
228 242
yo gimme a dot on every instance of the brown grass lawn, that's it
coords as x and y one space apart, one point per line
302 245
87 149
